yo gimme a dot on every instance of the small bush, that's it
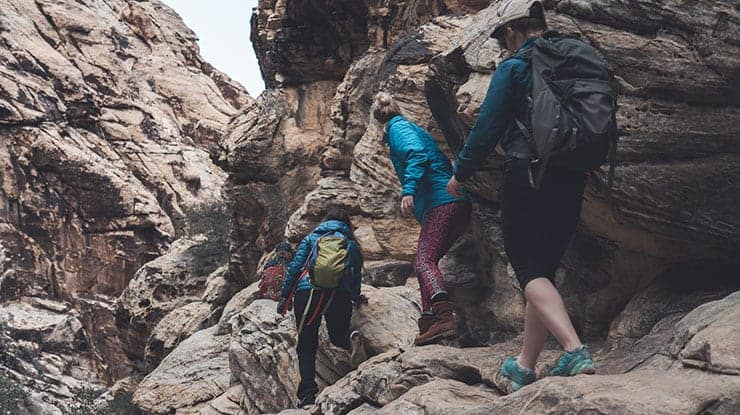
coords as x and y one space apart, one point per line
84 404
211 220
12 396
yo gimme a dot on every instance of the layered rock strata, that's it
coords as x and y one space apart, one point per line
106 115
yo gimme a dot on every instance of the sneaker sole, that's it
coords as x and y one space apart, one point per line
588 370
449 334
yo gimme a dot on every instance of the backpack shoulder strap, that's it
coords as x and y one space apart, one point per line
315 248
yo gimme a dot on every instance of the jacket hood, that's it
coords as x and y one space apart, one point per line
333 226
394 120
389 124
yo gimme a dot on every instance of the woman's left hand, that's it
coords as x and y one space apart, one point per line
453 187
407 205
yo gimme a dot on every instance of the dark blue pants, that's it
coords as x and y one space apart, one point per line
338 316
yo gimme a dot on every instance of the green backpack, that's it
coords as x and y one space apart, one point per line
329 260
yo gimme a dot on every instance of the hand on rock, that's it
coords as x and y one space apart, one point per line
360 300
453 187
282 306
407 205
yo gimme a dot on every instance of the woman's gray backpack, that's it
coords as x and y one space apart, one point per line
573 105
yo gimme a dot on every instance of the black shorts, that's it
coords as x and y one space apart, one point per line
538 225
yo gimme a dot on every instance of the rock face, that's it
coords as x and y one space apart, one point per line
105 99
106 114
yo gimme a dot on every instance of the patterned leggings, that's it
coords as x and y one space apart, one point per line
441 228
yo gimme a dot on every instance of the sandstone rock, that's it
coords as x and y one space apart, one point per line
238 302
105 112
625 394
196 372
32 323
708 337
294 412
386 377
175 327
95 105
219 288
388 273
388 320
226 404
663 298
98 315
44 351
441 397
364 409
25 268
293 52
159 287
262 359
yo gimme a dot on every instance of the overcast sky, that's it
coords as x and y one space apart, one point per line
222 27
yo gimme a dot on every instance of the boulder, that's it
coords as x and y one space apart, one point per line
159 287
226 404
388 273
45 353
388 320
237 303
175 327
641 392
440 397
196 372
708 338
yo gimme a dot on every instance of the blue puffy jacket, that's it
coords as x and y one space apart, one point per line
350 283
422 168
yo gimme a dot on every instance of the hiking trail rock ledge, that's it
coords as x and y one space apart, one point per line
112 129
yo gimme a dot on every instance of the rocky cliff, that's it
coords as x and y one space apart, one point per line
112 229
106 114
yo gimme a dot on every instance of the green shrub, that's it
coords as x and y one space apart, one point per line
12 396
211 220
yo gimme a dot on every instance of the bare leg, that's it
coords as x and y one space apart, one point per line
535 336
549 307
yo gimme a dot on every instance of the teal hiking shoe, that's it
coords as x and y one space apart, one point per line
574 363
518 375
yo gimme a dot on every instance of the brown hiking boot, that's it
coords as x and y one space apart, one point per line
424 322
443 326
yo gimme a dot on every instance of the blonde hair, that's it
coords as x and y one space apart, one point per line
385 107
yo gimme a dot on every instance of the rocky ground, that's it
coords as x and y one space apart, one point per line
141 189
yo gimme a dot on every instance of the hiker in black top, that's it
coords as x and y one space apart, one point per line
537 224
311 304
